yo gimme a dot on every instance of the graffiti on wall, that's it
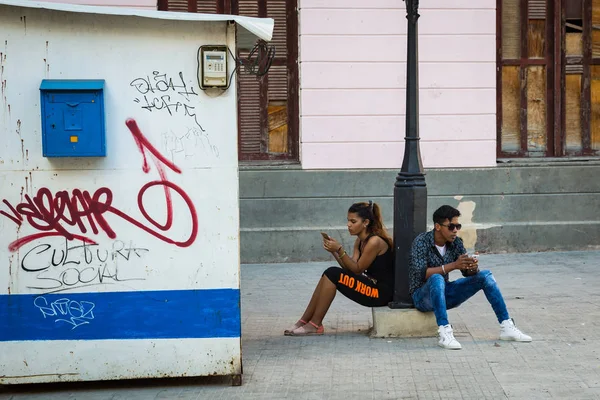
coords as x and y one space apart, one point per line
73 237
71 312
78 214
63 266
189 144
160 93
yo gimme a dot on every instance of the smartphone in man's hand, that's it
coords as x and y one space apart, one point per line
472 271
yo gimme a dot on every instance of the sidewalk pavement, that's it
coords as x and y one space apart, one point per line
554 297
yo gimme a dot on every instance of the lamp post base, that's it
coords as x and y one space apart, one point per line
410 213
400 304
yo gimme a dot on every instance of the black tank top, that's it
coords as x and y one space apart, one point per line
382 267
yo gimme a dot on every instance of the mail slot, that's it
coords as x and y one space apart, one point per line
73 118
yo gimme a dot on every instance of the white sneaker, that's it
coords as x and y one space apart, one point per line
508 331
447 339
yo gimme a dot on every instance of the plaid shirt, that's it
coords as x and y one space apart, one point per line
425 255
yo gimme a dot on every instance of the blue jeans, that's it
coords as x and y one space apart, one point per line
438 296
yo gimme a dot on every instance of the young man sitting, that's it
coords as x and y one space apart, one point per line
433 256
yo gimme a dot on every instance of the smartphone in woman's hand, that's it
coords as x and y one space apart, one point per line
325 236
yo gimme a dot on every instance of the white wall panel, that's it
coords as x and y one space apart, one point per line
122 266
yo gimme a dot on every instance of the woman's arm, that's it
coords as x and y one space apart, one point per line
337 258
371 250
354 253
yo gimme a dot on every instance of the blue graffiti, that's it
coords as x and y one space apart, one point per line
74 313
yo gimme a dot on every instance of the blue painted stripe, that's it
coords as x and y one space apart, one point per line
168 314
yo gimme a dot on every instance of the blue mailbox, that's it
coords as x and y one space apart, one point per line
73 118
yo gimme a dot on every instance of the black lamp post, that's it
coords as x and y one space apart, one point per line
410 192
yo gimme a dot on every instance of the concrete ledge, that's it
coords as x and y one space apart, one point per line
403 323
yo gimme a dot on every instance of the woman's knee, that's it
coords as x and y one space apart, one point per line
333 274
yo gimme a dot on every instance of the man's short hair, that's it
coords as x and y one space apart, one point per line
443 213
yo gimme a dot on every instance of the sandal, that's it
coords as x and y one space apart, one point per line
301 331
288 332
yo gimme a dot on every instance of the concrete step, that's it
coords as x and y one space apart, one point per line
504 209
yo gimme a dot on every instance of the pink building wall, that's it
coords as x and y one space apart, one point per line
353 77
140 4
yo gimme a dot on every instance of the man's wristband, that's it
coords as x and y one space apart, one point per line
443 270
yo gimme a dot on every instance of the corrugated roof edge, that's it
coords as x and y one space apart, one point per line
261 27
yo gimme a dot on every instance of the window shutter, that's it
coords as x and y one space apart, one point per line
536 9
176 5
248 8
277 9
277 93
278 109
199 6
278 83
249 106
511 30
207 6
250 110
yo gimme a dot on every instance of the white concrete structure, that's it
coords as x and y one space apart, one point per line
124 266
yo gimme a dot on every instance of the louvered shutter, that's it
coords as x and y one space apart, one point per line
277 93
207 6
278 109
251 110
200 6
277 9
536 9
176 5
250 116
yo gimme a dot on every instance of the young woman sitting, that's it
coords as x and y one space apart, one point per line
366 276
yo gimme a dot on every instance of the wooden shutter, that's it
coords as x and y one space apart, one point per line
277 80
250 115
278 110
273 130
525 70
277 9
199 6
548 78
175 5
536 9
251 110
207 6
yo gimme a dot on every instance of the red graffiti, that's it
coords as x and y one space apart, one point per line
53 214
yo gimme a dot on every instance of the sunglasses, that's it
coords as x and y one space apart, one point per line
453 226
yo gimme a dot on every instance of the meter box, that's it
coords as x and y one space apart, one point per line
73 118
214 66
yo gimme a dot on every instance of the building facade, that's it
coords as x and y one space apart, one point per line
508 119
